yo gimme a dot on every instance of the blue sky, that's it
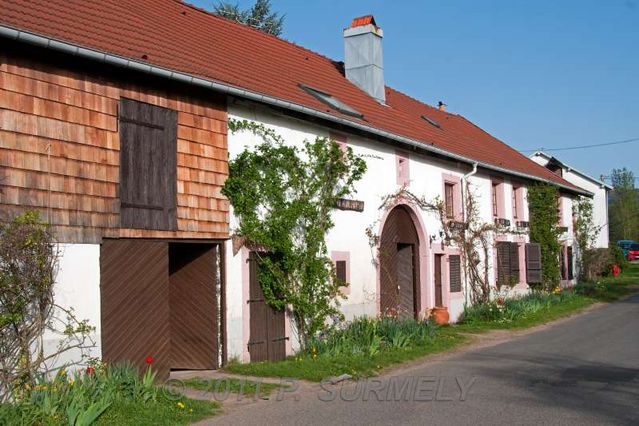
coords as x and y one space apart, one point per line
533 73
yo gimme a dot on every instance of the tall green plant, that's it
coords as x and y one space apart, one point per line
624 206
544 219
259 16
283 197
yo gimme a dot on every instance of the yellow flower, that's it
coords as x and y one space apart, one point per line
180 405
190 410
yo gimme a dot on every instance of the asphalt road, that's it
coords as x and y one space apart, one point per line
582 371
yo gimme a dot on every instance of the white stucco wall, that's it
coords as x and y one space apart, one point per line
77 286
348 235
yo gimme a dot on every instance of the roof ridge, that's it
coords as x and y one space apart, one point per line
256 30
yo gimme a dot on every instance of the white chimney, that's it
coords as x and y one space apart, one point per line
363 56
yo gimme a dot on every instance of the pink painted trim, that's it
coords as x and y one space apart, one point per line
521 241
287 332
346 257
427 296
519 197
498 185
402 167
457 199
341 140
447 296
246 312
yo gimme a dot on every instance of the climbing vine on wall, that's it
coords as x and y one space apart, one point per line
283 197
473 236
543 202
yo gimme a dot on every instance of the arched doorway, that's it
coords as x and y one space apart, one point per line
399 264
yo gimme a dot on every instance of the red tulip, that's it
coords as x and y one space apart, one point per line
149 360
90 370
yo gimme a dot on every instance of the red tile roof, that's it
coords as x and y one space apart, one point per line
181 37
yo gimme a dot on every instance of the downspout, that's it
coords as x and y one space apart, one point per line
463 197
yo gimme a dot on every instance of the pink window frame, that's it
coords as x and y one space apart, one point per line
457 199
402 167
560 207
346 257
341 140
447 296
498 185
518 196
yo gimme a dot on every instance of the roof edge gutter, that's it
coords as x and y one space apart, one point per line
120 61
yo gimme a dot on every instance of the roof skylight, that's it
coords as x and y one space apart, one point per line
331 101
431 122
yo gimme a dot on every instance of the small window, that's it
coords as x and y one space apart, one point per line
431 122
402 168
449 200
495 187
331 101
515 202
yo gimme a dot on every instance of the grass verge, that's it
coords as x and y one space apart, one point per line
322 366
182 412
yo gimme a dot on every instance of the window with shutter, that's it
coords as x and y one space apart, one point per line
148 166
454 273
507 263
533 263
449 200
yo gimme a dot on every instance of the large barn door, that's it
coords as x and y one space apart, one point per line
134 293
267 338
193 306
399 264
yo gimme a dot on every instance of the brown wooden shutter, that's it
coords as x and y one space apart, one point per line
533 263
148 166
514 263
340 271
454 273
503 263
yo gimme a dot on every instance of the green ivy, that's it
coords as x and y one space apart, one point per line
283 197
544 218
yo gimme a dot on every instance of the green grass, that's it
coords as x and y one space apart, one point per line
126 412
333 363
237 386
325 366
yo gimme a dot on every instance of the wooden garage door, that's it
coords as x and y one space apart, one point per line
193 306
267 338
134 293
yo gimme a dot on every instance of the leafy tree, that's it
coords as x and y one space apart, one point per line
624 206
544 219
259 16
283 197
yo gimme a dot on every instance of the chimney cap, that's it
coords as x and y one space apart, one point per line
441 106
363 21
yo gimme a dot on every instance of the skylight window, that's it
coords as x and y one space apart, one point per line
331 101
431 122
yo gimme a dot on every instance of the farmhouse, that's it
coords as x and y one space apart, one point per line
113 124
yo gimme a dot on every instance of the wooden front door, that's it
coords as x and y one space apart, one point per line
438 280
399 265
267 338
193 306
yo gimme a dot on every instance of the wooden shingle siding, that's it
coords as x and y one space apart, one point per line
60 150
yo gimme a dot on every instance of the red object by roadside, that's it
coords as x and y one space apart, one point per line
615 270
149 360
